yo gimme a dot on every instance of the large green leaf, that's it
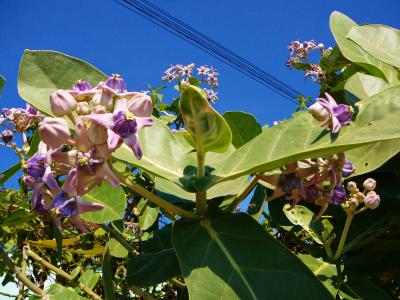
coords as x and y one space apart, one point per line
42 72
113 199
89 279
301 138
359 287
149 214
208 128
327 273
59 292
340 26
156 264
257 202
244 127
301 215
363 86
233 257
382 42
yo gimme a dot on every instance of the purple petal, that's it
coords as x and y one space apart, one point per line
143 122
85 206
133 143
76 220
49 179
113 139
121 105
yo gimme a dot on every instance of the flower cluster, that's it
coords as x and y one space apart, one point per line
314 180
299 58
20 118
330 114
367 196
206 74
69 164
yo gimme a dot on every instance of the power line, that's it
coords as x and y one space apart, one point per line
168 22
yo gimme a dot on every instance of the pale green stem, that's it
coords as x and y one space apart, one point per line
201 197
116 235
21 286
60 272
154 198
246 191
343 238
21 277
328 250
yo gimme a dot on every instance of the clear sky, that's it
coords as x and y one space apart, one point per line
119 41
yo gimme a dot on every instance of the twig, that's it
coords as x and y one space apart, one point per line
231 207
22 277
344 235
21 295
60 272
116 235
154 198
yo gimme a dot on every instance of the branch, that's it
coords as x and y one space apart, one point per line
247 190
154 198
22 277
116 235
60 272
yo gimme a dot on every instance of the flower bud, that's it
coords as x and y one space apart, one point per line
54 132
62 103
352 187
319 112
83 108
348 169
372 200
97 134
7 136
369 184
321 46
117 83
141 105
103 98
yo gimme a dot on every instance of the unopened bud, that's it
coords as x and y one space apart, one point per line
348 169
141 105
369 184
103 98
54 132
7 136
352 187
319 112
372 200
321 46
83 108
97 134
62 103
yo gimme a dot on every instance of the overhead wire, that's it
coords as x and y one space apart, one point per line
177 27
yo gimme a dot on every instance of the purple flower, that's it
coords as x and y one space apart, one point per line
212 95
348 169
122 125
339 115
339 195
289 182
70 208
117 83
81 86
312 193
316 73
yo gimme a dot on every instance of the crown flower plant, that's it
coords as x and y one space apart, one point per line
121 194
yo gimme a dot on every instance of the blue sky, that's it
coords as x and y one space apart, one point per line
118 41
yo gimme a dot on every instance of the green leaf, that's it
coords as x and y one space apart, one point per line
301 215
43 72
363 86
158 254
380 41
226 188
113 199
327 273
301 138
107 276
233 257
116 249
257 202
208 127
75 272
59 292
2 83
149 215
17 217
359 287
59 240
244 127
89 279
340 26
7 174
